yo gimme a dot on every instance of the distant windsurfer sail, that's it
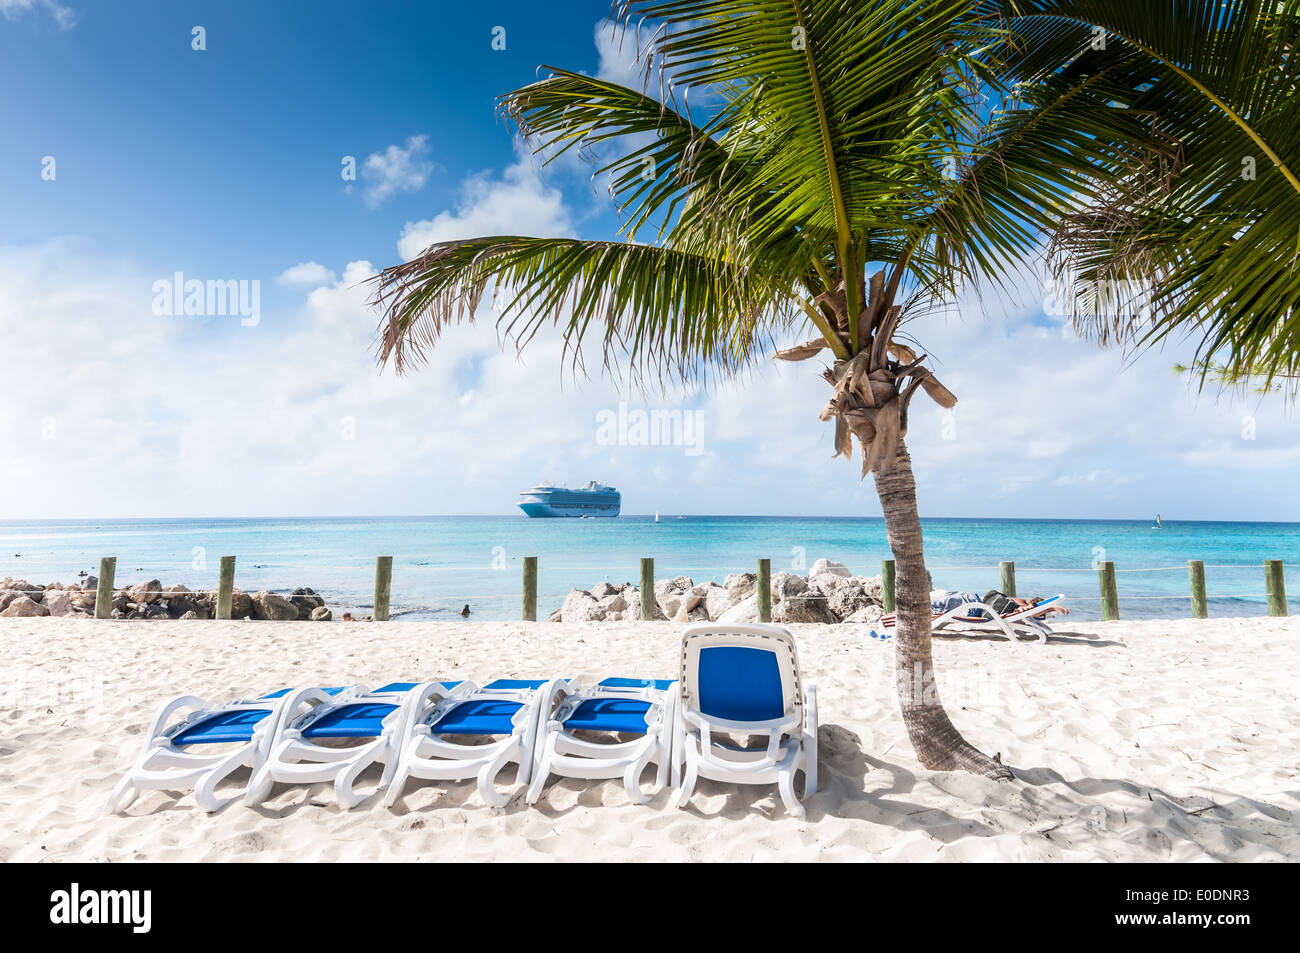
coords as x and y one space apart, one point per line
1158 524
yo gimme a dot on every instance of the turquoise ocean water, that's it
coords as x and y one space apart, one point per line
441 563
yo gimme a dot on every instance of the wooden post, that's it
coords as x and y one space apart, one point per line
530 588
1275 586
763 588
647 588
887 584
104 590
1196 572
383 587
225 586
1008 577
1109 594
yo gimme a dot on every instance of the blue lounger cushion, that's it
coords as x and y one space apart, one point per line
362 719
223 727
393 687
479 716
740 684
285 691
359 720
659 684
609 714
502 684
227 726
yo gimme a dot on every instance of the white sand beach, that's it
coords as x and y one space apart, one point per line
1130 741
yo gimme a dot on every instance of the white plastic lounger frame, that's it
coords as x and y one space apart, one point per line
1030 620
508 709
295 757
561 752
165 765
767 686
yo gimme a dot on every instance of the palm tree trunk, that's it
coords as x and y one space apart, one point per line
939 745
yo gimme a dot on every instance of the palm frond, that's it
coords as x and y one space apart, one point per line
1216 248
942 138
656 312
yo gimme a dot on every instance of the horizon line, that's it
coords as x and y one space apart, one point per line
661 514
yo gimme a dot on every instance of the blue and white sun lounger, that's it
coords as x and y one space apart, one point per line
1031 620
195 752
506 710
301 753
740 680
645 708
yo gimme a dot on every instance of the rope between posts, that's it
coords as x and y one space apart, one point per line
1251 566
608 570
1210 595
1020 569
439 603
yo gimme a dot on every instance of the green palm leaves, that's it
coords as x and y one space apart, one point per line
1214 236
943 139
660 312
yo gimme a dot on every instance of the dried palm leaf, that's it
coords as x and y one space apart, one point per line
938 393
903 353
801 352
885 335
843 439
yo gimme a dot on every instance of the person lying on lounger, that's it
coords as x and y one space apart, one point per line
943 600
1004 604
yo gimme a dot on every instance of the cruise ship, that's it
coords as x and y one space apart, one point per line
594 499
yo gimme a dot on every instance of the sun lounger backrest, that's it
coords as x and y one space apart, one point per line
657 684
741 672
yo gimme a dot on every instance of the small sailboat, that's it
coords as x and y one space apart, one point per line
1157 524
656 516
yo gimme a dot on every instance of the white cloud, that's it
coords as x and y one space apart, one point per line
307 273
110 410
113 411
396 169
617 50
623 57
64 17
1094 478
517 203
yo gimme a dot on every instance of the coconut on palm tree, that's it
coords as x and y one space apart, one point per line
845 168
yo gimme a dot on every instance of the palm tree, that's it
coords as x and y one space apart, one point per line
1212 242
848 166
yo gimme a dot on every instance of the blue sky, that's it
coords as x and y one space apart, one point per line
225 164
238 148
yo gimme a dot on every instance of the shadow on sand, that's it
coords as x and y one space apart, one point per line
1059 637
